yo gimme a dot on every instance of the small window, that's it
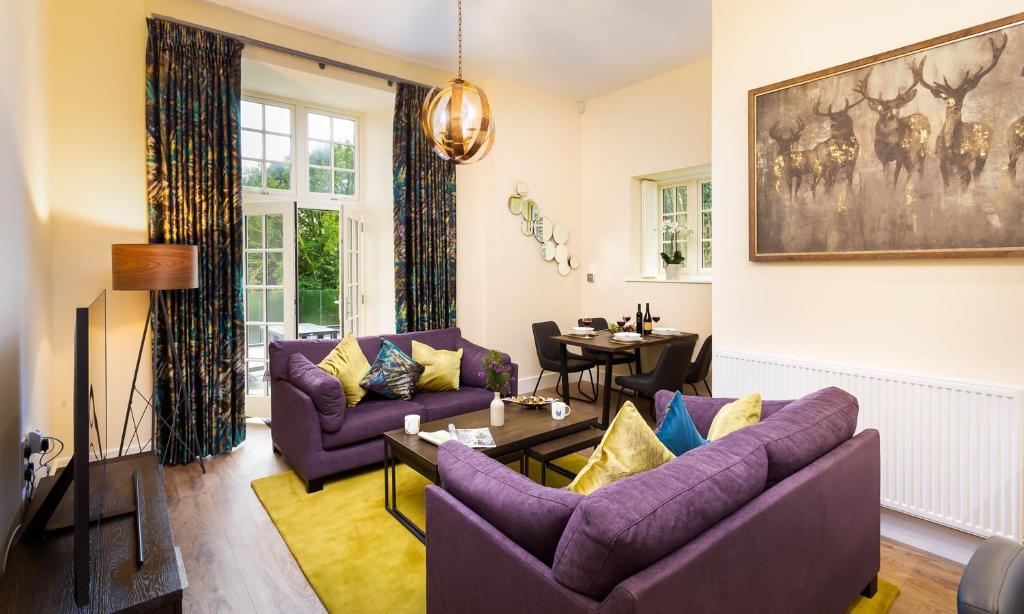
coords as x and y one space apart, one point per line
266 146
705 227
332 154
676 225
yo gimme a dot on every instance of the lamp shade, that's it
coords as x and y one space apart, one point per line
154 266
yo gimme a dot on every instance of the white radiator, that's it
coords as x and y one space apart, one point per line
952 450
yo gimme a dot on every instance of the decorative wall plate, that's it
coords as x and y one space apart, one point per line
515 205
563 268
548 251
522 189
574 262
560 234
561 254
543 229
530 210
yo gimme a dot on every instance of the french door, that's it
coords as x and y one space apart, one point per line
303 280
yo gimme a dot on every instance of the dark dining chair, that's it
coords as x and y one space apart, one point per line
549 357
668 374
600 358
699 368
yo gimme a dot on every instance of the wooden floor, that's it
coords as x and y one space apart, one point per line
237 562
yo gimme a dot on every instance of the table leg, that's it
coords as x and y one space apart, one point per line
391 496
606 410
639 369
563 357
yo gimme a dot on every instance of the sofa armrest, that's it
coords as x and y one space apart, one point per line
294 426
472 365
473 567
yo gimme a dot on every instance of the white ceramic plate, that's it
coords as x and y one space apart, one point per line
582 330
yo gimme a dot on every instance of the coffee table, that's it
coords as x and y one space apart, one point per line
523 428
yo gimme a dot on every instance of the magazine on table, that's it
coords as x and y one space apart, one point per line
474 438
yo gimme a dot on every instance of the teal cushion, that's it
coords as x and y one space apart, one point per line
393 373
677 430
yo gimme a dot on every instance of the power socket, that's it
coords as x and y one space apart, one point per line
34 441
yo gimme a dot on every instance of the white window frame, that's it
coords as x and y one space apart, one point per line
652 219
300 151
263 190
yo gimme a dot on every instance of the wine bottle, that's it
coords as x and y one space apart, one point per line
648 322
639 320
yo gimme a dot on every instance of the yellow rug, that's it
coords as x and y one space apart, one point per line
359 559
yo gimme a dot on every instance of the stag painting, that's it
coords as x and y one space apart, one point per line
890 155
962 147
899 140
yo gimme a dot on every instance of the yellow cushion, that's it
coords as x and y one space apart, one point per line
629 446
441 367
347 363
736 415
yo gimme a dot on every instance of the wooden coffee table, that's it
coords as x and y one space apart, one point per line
523 428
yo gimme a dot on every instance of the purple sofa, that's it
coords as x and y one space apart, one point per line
779 517
320 436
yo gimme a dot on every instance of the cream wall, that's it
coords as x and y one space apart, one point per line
956 318
24 248
661 124
503 284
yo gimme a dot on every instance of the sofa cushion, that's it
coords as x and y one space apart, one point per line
529 514
441 367
347 363
736 415
442 339
370 419
324 390
441 405
393 373
626 526
677 431
805 430
703 409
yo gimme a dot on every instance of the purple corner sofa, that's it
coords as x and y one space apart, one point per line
325 439
779 517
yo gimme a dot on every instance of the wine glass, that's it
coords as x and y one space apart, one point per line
587 321
655 317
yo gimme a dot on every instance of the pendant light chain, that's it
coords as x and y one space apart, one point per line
460 39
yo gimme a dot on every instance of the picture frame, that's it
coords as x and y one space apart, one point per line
909 153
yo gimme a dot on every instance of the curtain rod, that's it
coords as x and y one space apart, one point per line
322 61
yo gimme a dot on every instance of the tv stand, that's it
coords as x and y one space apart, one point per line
39 569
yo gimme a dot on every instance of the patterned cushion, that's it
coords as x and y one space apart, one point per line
393 373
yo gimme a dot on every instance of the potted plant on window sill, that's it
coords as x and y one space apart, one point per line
676 262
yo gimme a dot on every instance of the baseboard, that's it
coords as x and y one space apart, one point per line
548 380
928 536
64 459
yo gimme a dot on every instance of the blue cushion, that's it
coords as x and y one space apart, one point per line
677 430
393 374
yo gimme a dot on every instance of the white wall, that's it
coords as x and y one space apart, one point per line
956 317
661 124
24 248
503 283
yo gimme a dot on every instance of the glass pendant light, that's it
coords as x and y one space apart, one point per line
456 117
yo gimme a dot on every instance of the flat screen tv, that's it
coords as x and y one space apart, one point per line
66 508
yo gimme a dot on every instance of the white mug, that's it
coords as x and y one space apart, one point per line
412 424
559 410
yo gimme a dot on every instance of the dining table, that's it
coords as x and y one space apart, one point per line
602 342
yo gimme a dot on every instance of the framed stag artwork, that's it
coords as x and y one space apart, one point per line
910 153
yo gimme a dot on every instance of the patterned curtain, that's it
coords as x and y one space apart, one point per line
193 173
424 222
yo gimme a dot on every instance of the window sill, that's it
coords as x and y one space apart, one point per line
685 279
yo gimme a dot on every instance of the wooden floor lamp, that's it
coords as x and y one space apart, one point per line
157 267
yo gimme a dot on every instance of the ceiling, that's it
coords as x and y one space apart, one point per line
575 48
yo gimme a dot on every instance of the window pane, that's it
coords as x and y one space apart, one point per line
705 195
706 224
319 127
667 204
706 256
252 144
254 231
255 347
345 183
275 332
275 268
275 231
681 198
279 119
254 305
344 131
320 153
255 385
279 148
252 174
320 180
252 115
318 271
344 156
279 176
254 269
275 305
